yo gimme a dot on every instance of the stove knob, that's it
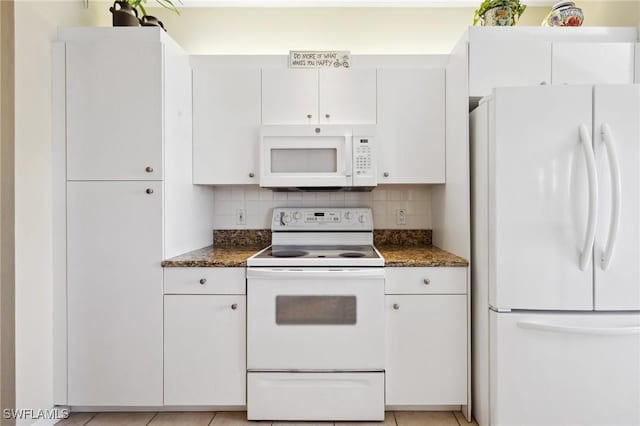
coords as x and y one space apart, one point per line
362 218
286 218
297 215
348 215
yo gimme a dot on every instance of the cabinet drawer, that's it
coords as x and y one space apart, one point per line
204 281
426 280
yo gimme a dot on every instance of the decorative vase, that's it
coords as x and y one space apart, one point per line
151 21
500 16
564 14
124 15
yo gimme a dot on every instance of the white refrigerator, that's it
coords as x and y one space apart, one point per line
556 256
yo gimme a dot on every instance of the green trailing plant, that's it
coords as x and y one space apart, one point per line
167 4
517 9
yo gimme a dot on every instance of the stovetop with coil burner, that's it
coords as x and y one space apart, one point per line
304 237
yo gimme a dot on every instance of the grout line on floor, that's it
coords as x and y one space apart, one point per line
152 417
90 419
213 417
395 419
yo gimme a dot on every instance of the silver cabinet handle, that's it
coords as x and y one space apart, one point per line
396 306
203 281
251 174
543 83
149 169
426 281
149 191
234 306
309 116
385 174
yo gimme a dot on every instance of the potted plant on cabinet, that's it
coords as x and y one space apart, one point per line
125 13
498 12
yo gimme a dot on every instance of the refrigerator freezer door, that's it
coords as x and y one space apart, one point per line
541 198
565 369
617 149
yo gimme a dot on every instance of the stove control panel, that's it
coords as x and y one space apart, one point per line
326 219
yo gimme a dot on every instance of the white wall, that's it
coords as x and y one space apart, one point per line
35 28
361 30
384 200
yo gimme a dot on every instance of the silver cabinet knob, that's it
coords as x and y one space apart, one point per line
251 174
309 116
426 281
385 174
543 83
317 129
149 169
234 306
327 115
396 306
149 191
203 281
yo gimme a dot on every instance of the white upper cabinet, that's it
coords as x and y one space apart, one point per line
503 63
289 96
226 125
114 117
411 125
592 63
530 56
348 96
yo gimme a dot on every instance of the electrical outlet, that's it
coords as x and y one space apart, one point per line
401 217
241 217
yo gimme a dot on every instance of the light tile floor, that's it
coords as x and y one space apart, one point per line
239 418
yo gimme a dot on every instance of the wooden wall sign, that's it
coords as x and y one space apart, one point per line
319 59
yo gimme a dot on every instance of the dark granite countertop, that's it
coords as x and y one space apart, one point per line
395 256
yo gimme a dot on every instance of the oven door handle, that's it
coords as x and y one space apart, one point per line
298 273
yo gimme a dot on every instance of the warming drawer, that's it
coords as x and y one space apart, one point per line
315 396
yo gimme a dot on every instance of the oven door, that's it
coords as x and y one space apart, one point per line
305 156
315 319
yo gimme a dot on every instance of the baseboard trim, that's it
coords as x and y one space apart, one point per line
105 409
422 408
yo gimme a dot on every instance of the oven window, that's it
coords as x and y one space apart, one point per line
315 310
304 160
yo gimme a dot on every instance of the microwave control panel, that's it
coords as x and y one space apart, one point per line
362 156
364 167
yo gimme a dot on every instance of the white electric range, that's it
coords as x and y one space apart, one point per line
315 319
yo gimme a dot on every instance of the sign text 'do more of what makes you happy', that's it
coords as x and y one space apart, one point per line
319 59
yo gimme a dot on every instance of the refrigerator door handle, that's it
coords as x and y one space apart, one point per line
598 331
616 189
590 237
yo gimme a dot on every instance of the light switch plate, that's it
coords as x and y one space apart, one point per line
401 217
241 217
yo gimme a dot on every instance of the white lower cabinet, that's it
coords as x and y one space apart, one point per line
204 349
114 291
426 360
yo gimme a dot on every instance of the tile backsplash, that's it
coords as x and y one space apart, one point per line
385 200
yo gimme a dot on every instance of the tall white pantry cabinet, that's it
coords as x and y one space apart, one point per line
124 201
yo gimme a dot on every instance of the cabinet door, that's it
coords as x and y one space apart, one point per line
411 126
204 350
114 111
114 291
226 126
348 96
508 63
426 350
592 63
617 245
289 96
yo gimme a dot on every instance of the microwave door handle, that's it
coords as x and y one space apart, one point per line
348 156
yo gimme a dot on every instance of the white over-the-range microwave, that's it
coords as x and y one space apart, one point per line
318 157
